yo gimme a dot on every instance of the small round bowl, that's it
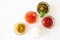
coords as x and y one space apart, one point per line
20 28
43 7
31 17
49 22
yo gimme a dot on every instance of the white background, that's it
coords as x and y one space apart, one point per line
13 11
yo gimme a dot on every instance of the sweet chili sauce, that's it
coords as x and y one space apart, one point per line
31 17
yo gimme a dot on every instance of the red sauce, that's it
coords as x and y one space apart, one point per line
31 17
47 22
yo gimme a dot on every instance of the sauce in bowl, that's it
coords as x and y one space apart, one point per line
48 22
20 28
43 8
31 17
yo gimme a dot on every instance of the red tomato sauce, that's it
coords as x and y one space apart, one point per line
31 17
47 22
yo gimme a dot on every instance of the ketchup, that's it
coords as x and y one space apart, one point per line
47 22
31 17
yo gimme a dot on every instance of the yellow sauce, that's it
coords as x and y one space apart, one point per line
20 28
